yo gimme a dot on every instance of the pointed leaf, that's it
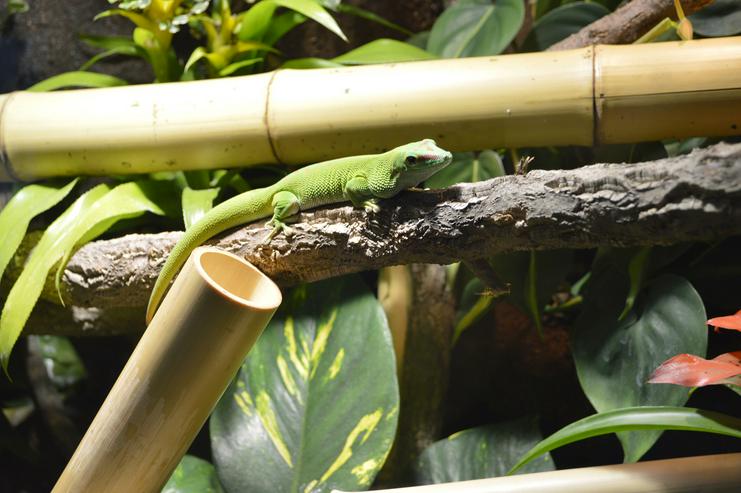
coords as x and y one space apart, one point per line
371 16
309 63
193 475
121 50
233 67
474 304
469 168
689 370
636 418
27 203
77 79
89 216
667 319
281 25
383 51
731 322
138 19
196 203
254 23
476 28
482 452
313 10
315 404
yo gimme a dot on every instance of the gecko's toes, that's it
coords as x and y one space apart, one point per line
372 208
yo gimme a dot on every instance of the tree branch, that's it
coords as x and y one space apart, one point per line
686 198
627 24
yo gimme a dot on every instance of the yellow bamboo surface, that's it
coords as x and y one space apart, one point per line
213 314
706 474
605 94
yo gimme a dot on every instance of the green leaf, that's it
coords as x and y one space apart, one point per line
473 305
371 16
562 22
533 277
476 28
482 452
315 404
637 273
383 51
138 19
313 10
27 203
636 418
77 79
63 365
127 51
196 203
89 216
720 18
309 63
281 25
254 23
468 167
193 475
668 318
107 42
156 53
419 39
233 67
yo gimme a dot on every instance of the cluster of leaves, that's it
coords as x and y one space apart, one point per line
315 404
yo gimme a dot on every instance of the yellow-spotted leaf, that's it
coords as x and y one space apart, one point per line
193 475
315 404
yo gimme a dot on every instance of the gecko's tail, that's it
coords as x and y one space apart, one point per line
238 210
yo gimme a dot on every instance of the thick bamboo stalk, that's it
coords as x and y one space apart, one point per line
709 474
207 323
603 94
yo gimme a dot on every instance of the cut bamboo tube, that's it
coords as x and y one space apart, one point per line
213 314
708 474
603 94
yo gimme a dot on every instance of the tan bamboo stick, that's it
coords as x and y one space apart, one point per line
709 474
214 312
607 94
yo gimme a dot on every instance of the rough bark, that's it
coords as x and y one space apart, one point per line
686 198
627 23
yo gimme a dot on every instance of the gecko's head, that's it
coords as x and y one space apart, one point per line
417 161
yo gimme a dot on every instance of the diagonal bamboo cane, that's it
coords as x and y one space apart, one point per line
601 94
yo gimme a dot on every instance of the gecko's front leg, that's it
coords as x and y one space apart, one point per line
285 204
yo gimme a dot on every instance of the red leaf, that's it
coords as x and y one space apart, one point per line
732 322
693 371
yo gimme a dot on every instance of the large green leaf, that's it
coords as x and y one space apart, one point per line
89 216
636 418
27 203
315 404
383 51
77 79
313 10
720 18
468 167
476 28
562 22
483 452
193 475
667 318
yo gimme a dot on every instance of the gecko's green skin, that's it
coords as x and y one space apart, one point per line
357 179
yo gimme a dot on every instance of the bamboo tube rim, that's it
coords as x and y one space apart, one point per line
261 295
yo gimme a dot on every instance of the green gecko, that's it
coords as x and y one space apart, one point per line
357 179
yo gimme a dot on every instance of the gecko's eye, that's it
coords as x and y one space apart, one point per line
411 160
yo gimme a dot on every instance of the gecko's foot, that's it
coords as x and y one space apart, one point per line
371 207
277 228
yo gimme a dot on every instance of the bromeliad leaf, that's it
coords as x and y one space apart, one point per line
193 475
196 203
77 79
28 203
667 318
476 28
313 10
315 404
636 418
89 216
256 21
483 452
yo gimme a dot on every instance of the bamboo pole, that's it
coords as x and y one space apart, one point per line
207 323
709 474
603 94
